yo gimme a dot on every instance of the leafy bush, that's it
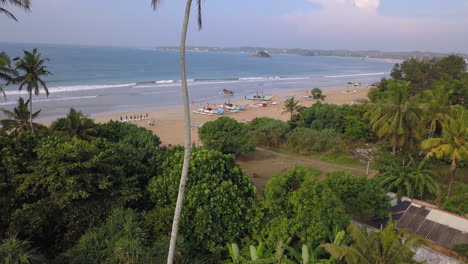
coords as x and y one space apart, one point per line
362 197
457 203
226 135
321 116
218 204
268 132
461 249
356 128
306 140
298 206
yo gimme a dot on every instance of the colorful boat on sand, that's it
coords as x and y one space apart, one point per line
260 98
226 92
209 111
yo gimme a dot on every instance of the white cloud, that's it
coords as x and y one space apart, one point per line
357 24
367 4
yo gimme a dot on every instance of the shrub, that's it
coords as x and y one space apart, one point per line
218 202
362 197
321 116
356 128
298 206
307 141
461 249
227 136
269 132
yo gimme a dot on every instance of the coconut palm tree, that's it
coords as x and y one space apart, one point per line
32 68
453 143
188 140
436 107
25 4
291 106
18 118
6 72
423 182
317 94
384 247
398 117
74 125
412 179
13 250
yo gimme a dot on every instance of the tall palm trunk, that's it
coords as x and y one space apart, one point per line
30 110
453 170
188 140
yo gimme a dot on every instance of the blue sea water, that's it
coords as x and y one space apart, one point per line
98 80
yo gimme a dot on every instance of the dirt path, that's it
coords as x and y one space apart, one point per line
263 164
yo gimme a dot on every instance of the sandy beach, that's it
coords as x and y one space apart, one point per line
169 123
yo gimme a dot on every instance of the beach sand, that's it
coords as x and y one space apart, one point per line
169 123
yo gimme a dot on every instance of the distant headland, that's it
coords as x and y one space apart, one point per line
261 54
364 54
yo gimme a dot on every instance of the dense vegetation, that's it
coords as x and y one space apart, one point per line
81 192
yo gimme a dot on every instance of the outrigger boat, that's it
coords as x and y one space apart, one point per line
226 92
260 98
209 111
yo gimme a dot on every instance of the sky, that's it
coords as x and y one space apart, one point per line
388 25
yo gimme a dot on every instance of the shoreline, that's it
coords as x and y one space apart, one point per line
169 122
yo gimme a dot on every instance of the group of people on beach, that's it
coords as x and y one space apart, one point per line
137 117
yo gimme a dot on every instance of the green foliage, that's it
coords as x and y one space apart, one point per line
457 203
306 140
268 132
412 180
356 128
321 116
121 239
75 124
461 249
18 118
291 106
385 247
397 117
6 72
298 206
362 198
317 94
24 4
16 251
55 188
218 203
226 135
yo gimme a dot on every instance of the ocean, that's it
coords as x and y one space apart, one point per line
102 80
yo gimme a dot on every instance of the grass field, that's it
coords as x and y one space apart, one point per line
262 164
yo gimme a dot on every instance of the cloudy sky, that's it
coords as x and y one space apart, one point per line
390 25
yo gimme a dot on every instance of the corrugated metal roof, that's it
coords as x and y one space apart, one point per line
435 225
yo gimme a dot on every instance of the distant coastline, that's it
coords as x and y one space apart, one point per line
364 54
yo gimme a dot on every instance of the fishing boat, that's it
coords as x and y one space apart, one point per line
226 92
209 111
260 98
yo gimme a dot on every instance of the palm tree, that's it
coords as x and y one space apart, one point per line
32 66
411 180
423 182
188 140
453 143
291 106
397 117
317 94
13 250
6 72
436 108
19 118
25 4
75 124
384 247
